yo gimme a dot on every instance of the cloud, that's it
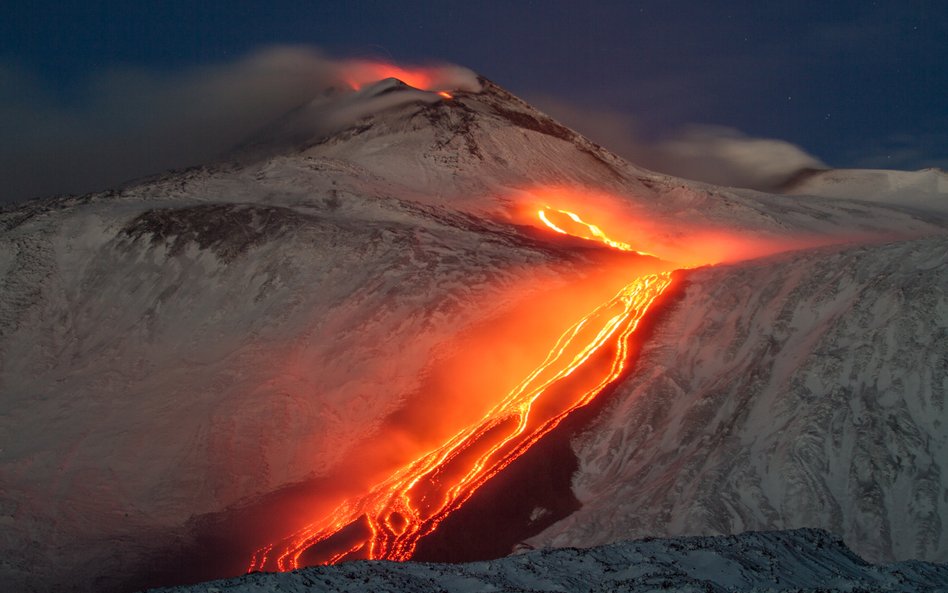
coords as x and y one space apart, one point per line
726 156
130 122
712 154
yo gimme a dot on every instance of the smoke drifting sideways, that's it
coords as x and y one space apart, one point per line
130 123
714 154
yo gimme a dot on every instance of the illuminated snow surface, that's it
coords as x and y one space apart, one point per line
801 560
203 338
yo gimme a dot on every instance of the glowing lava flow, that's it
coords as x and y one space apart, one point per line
581 229
388 521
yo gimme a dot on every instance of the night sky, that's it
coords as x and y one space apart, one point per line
852 83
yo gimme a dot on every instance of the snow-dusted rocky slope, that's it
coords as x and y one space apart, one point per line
802 560
160 363
208 336
807 389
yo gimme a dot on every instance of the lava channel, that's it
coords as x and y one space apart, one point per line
388 521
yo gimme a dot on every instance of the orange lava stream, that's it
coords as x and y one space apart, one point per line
389 520
581 229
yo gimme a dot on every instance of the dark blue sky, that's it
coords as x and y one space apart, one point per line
855 83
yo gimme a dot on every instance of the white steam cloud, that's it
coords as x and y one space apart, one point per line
712 154
129 123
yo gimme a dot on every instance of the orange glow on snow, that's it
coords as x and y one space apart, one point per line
412 502
622 222
388 519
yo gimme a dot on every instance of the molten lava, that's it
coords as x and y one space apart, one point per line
577 228
388 521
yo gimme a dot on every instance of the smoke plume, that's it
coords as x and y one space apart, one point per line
713 154
129 123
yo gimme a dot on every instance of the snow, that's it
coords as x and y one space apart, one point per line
925 190
205 337
800 390
802 560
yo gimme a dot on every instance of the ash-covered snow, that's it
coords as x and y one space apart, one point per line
208 336
801 560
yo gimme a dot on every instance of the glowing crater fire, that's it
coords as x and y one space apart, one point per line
360 74
388 521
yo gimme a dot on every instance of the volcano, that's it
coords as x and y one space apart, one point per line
201 364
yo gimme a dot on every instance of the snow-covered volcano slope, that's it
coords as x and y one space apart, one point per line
801 390
489 154
208 336
802 560
162 363
925 190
